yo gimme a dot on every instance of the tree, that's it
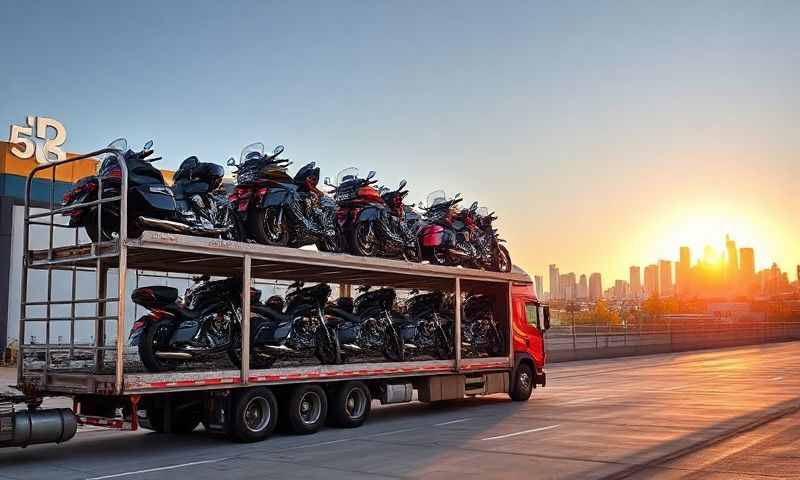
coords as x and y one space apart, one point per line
653 306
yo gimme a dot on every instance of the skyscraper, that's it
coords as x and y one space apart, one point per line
651 280
635 282
537 279
665 277
595 287
620 289
683 272
568 286
732 263
554 282
747 272
583 288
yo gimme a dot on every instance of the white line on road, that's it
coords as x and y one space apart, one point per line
677 387
392 432
498 437
319 444
775 379
158 469
451 422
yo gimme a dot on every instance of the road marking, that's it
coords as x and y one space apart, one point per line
392 432
775 379
319 444
158 469
498 437
582 400
451 422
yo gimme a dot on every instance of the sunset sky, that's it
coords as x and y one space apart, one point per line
605 134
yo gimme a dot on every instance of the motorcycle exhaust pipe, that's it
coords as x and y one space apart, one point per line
177 227
350 346
277 348
457 253
174 355
31 427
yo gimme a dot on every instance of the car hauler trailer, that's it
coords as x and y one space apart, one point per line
110 390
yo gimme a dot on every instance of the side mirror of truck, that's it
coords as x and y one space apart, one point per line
547 317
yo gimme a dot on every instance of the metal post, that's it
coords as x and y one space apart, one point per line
245 372
100 323
510 325
574 348
457 327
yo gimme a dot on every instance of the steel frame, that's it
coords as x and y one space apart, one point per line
167 252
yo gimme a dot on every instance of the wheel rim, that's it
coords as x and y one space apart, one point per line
365 238
226 219
310 408
525 381
355 403
272 227
257 414
439 256
503 262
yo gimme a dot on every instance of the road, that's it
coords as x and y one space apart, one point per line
686 415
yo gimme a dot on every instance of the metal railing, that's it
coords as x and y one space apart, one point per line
97 252
605 340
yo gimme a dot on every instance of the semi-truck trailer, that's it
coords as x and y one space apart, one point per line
109 389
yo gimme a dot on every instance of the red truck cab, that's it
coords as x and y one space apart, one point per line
530 319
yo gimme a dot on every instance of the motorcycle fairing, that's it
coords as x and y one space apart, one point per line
153 198
280 194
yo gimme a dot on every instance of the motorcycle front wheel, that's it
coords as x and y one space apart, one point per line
413 253
393 346
502 260
327 350
265 226
228 217
363 240
156 338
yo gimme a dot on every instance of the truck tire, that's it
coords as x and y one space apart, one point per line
306 409
522 387
350 405
255 414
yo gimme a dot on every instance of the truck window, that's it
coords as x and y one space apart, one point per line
532 314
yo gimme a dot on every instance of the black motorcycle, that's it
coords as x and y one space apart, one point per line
196 210
480 334
282 210
296 327
492 254
206 322
423 325
366 325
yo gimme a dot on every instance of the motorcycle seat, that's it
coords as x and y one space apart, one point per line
272 314
345 315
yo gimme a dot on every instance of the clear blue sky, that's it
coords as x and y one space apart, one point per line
596 129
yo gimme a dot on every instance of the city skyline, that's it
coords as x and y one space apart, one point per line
730 273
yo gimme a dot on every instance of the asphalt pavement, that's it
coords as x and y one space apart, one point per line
729 413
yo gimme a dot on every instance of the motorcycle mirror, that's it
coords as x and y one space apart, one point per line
370 174
231 162
327 181
402 184
547 317
278 150
474 206
457 195
148 145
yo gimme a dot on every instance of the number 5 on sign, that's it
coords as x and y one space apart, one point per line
24 147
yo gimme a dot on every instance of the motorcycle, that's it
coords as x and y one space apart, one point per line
493 255
206 322
282 210
444 237
295 327
372 221
366 325
480 334
196 209
423 325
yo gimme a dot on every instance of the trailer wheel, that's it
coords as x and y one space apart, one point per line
255 414
522 387
350 405
306 409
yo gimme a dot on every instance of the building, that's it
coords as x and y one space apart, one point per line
683 272
731 263
620 289
665 278
583 288
747 270
595 287
635 281
537 279
651 280
568 286
554 282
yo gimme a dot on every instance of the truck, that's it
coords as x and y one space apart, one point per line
244 403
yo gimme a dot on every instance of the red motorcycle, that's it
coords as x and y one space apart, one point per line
446 237
371 219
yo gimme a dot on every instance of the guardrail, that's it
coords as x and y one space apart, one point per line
583 342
